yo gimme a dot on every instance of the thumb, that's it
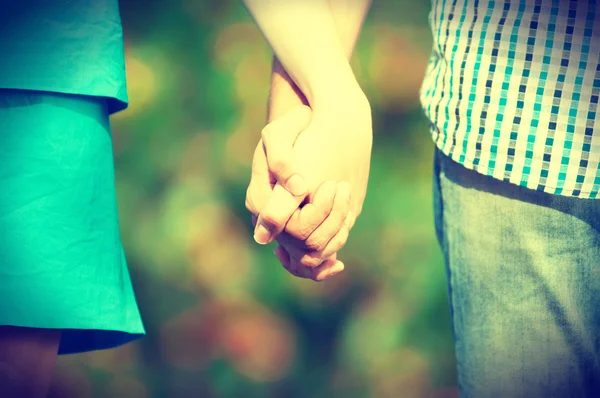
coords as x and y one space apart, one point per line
278 138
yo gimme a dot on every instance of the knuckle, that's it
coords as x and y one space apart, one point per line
304 231
266 133
316 243
291 227
277 164
324 212
271 219
299 231
337 214
310 261
302 224
318 214
327 195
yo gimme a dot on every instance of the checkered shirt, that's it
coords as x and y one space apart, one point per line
511 91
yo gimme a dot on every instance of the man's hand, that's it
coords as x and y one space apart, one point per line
318 60
335 146
306 219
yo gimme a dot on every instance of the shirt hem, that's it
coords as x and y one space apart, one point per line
489 172
116 102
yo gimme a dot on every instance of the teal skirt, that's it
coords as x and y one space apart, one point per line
62 264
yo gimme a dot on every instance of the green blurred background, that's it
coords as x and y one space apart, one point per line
223 318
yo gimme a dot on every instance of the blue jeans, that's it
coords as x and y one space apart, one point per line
523 271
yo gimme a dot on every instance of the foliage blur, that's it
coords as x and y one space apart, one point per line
223 318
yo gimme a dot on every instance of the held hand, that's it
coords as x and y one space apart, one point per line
322 224
315 223
289 188
335 146
305 219
289 250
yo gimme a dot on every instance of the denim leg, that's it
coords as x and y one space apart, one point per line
524 286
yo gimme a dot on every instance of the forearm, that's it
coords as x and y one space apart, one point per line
348 17
304 37
284 93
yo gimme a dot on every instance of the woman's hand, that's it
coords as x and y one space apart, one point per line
331 145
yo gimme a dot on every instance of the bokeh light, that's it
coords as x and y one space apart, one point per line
224 319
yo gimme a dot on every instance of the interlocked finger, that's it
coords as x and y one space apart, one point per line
307 219
275 214
329 267
334 245
331 226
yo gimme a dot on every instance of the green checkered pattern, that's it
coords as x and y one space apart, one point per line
511 91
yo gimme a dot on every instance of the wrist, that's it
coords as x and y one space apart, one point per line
330 84
341 96
338 90
325 72
284 93
347 105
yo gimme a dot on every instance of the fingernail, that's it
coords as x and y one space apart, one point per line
296 185
262 235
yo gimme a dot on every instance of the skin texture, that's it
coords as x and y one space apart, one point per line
27 358
314 226
304 220
335 166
